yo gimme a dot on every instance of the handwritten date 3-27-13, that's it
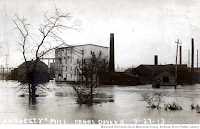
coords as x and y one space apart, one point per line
149 121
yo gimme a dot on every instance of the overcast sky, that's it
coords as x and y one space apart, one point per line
142 28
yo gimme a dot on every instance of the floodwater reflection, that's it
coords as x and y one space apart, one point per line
117 103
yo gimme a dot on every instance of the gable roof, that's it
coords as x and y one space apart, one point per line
165 73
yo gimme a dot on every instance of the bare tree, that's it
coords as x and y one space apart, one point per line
154 99
93 70
47 39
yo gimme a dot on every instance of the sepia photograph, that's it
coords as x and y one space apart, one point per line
100 63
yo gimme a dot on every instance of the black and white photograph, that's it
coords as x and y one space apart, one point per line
100 63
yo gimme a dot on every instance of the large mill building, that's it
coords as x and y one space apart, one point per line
69 59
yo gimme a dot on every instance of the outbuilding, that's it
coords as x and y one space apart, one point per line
166 79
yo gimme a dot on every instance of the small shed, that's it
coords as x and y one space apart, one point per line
166 79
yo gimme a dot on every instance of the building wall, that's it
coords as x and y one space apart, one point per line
124 79
171 79
69 60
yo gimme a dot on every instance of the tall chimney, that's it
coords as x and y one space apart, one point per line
180 55
197 58
188 58
112 62
156 60
192 66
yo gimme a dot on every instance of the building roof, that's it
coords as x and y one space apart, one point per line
91 45
156 69
164 73
128 74
31 63
68 46
169 67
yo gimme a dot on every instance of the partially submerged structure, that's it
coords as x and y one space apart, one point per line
166 74
70 60
127 79
166 79
40 73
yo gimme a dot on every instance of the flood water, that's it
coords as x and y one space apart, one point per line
59 106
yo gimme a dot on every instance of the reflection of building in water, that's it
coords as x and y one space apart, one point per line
69 60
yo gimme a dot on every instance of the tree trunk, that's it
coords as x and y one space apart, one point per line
91 84
33 87
91 89
29 91
33 93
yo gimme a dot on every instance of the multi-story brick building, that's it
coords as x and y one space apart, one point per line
69 60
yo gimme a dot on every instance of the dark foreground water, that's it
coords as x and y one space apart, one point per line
59 106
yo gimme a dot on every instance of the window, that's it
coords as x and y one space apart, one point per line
75 71
63 61
99 52
77 60
66 68
165 79
68 58
65 77
69 51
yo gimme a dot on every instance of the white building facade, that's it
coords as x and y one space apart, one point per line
69 59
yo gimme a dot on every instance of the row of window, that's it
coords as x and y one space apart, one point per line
69 69
66 61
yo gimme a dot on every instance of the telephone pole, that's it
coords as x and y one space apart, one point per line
82 66
192 65
7 62
176 60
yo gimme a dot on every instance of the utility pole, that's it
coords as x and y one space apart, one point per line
197 59
82 66
7 63
3 73
176 61
192 65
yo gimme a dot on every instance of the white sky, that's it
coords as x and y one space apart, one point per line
142 28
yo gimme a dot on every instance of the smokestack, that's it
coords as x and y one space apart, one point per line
180 55
156 60
192 66
197 58
111 63
188 58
